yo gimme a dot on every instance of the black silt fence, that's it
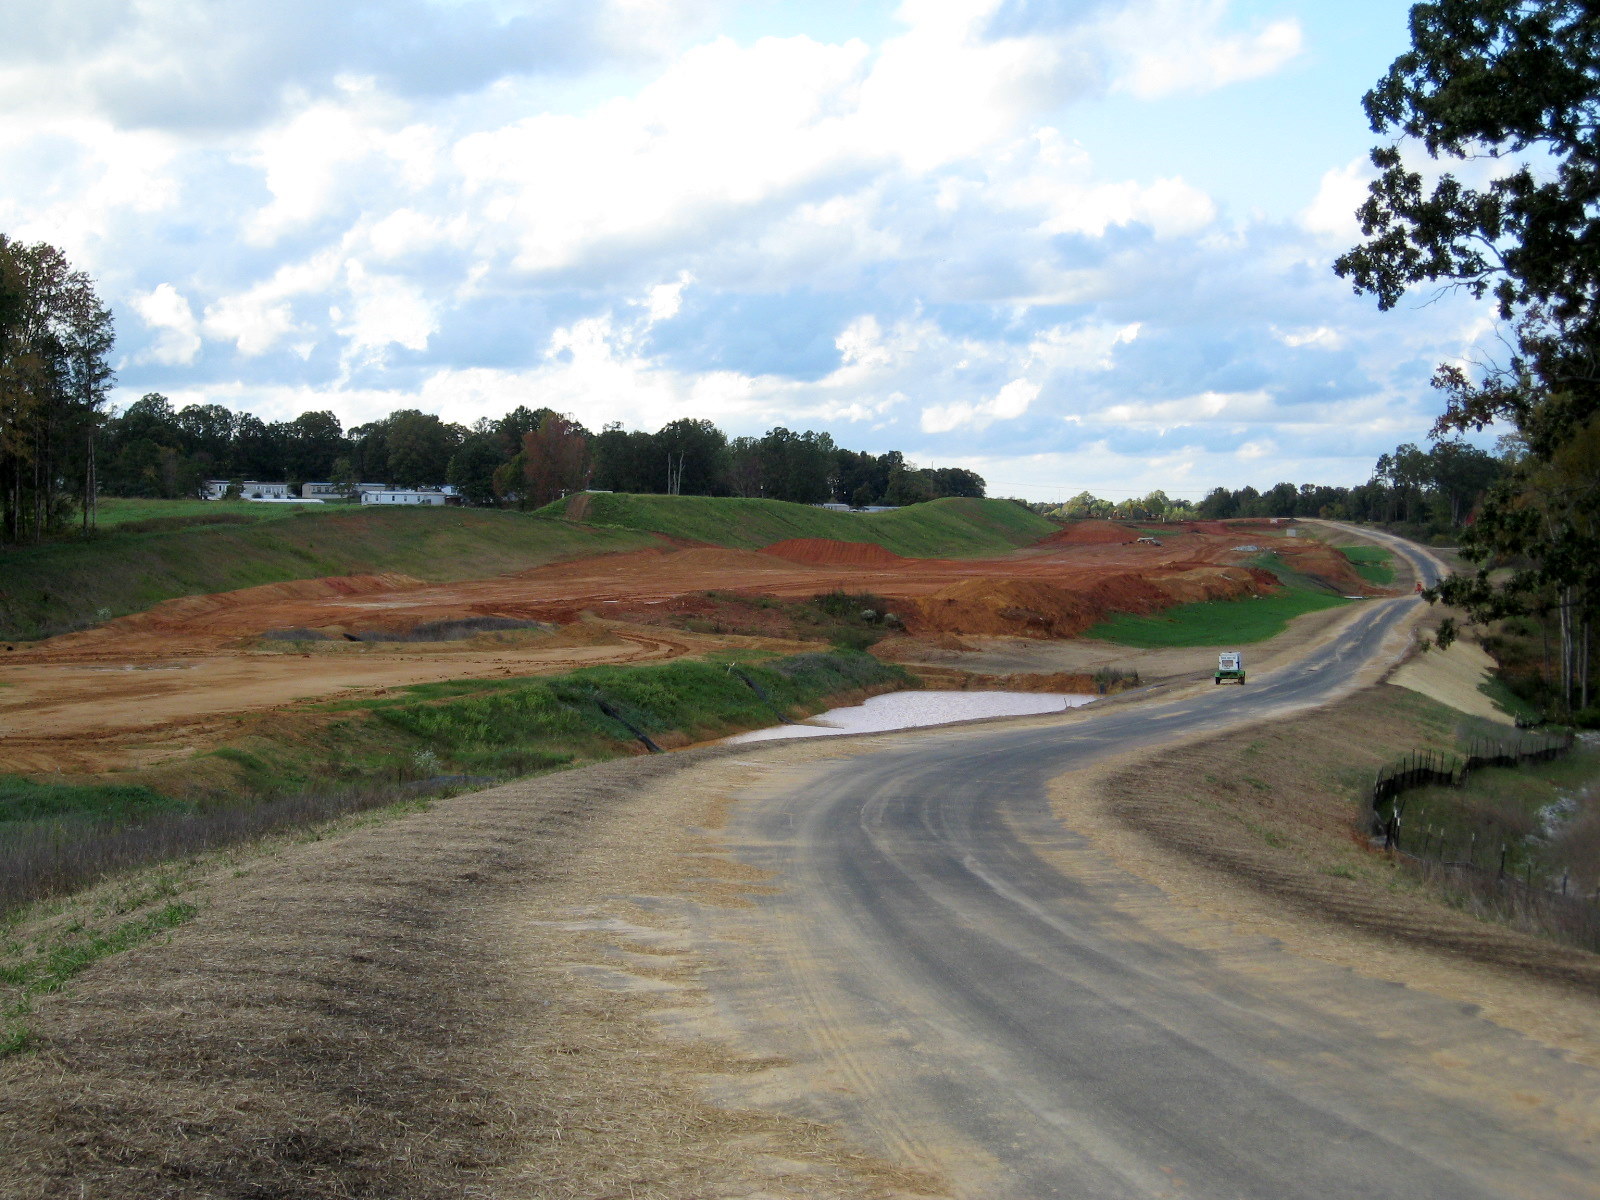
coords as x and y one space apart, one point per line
1436 768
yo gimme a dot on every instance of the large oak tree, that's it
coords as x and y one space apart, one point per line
1509 90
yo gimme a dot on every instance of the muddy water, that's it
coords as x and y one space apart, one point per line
910 710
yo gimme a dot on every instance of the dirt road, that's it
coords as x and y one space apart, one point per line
969 987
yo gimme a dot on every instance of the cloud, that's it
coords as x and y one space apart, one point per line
166 312
887 230
1332 212
384 311
1009 403
1320 337
232 64
1170 47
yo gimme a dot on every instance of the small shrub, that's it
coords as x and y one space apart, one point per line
850 606
849 638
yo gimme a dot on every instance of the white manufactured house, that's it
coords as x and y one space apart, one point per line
253 489
399 496
324 488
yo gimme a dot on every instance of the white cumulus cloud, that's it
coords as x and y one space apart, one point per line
166 311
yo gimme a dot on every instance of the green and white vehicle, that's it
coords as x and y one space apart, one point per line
1230 667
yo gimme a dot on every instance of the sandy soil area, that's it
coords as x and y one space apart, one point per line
1453 677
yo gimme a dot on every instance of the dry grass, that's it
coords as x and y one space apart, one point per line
375 1015
1279 806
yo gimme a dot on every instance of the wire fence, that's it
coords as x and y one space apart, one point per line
1480 873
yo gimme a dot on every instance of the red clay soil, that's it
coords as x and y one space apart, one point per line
829 552
1031 608
200 658
1091 533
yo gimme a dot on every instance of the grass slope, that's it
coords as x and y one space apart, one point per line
949 528
1372 563
1224 622
69 584
289 769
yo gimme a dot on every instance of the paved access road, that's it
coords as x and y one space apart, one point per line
966 984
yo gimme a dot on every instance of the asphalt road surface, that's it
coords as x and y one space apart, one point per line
965 984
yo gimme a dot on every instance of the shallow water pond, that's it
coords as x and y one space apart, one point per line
911 710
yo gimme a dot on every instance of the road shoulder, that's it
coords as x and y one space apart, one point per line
1281 857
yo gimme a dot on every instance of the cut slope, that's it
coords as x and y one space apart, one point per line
1092 533
949 528
1035 608
66 585
832 552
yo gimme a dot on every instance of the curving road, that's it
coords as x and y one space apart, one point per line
964 984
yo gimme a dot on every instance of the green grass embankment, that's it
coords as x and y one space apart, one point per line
67 585
1373 563
119 512
290 768
1224 622
508 727
949 528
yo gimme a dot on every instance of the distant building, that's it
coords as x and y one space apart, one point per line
371 495
252 489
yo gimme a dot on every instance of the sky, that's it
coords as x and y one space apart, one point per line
1069 244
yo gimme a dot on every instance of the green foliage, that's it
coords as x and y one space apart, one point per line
548 721
949 528
55 374
852 606
1518 83
25 800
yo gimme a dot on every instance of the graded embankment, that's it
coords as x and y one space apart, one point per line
66 585
949 528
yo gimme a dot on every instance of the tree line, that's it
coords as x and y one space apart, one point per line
525 459
55 339
1432 491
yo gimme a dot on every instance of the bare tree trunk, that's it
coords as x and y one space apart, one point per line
1544 653
1583 668
1566 649
89 486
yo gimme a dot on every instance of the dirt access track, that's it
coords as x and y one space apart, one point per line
146 687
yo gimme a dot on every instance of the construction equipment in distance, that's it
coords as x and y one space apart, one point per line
1230 667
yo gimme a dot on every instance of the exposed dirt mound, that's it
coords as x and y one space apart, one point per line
1026 608
1209 582
1006 606
1089 533
716 558
189 612
828 552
